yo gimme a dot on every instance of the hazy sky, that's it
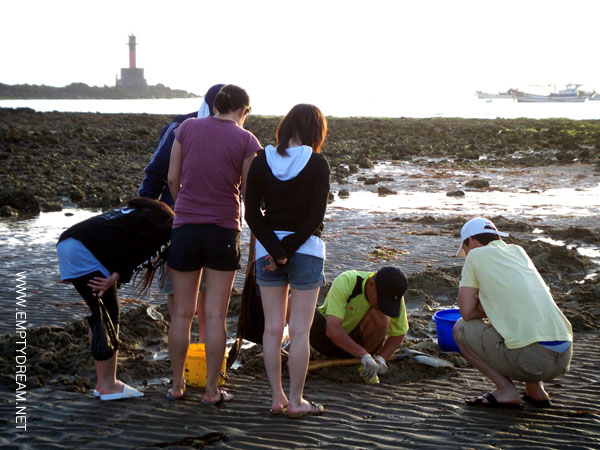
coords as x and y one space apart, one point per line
306 51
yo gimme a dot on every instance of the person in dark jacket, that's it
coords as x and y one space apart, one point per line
154 185
293 181
105 250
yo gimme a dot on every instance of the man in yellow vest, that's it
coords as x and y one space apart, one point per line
363 315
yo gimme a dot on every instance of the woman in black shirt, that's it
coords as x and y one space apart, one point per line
96 254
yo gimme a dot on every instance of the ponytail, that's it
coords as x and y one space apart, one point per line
231 98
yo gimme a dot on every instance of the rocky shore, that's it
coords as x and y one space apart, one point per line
96 160
83 91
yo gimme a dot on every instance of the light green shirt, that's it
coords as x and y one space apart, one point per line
514 296
336 304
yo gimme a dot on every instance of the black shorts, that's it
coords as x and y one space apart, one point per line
321 343
194 246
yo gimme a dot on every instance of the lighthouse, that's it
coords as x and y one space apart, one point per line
132 77
132 45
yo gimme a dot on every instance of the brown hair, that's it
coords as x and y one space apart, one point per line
486 238
231 98
305 123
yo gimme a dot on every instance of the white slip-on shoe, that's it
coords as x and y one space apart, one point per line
128 392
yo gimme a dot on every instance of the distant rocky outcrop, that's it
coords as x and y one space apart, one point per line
83 91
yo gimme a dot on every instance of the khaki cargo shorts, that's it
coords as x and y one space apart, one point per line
530 364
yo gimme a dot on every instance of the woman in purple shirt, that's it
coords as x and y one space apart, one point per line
207 171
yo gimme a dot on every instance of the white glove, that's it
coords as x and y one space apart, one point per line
369 367
383 367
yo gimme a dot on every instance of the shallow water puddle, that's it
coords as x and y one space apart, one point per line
361 232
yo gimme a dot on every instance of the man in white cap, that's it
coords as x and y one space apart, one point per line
525 337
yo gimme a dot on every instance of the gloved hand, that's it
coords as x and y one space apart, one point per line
369 367
383 367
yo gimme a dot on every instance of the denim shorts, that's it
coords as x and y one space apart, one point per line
301 272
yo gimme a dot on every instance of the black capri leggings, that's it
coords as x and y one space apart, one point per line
110 297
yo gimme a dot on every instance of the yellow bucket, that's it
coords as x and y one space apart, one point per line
194 370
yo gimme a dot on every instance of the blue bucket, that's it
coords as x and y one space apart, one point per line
444 321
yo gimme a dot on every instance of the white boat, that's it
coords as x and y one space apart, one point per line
571 94
488 96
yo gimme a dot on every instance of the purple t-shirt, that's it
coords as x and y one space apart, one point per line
213 151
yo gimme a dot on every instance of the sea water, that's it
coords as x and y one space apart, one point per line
467 106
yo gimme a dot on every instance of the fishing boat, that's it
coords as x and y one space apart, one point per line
572 94
488 96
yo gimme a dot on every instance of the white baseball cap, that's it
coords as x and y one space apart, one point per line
475 226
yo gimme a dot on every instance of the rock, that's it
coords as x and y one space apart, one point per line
371 181
504 224
365 163
566 157
51 206
8 211
22 200
478 183
76 194
382 191
458 193
470 154
341 171
343 193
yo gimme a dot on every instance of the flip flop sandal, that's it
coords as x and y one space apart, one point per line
316 409
170 395
224 397
491 402
278 412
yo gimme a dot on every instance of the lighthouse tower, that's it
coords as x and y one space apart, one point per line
132 77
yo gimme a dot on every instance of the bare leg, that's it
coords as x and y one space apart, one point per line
96 364
200 308
274 301
536 391
170 301
218 290
302 311
505 389
107 376
184 307
373 329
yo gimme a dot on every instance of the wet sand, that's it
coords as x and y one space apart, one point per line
414 406
421 413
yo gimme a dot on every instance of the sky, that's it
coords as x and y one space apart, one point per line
321 52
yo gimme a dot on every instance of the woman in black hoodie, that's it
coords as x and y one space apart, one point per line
292 179
102 252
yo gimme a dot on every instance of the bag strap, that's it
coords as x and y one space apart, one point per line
357 288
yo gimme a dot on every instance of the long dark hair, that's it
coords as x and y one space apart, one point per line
305 123
231 98
160 222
